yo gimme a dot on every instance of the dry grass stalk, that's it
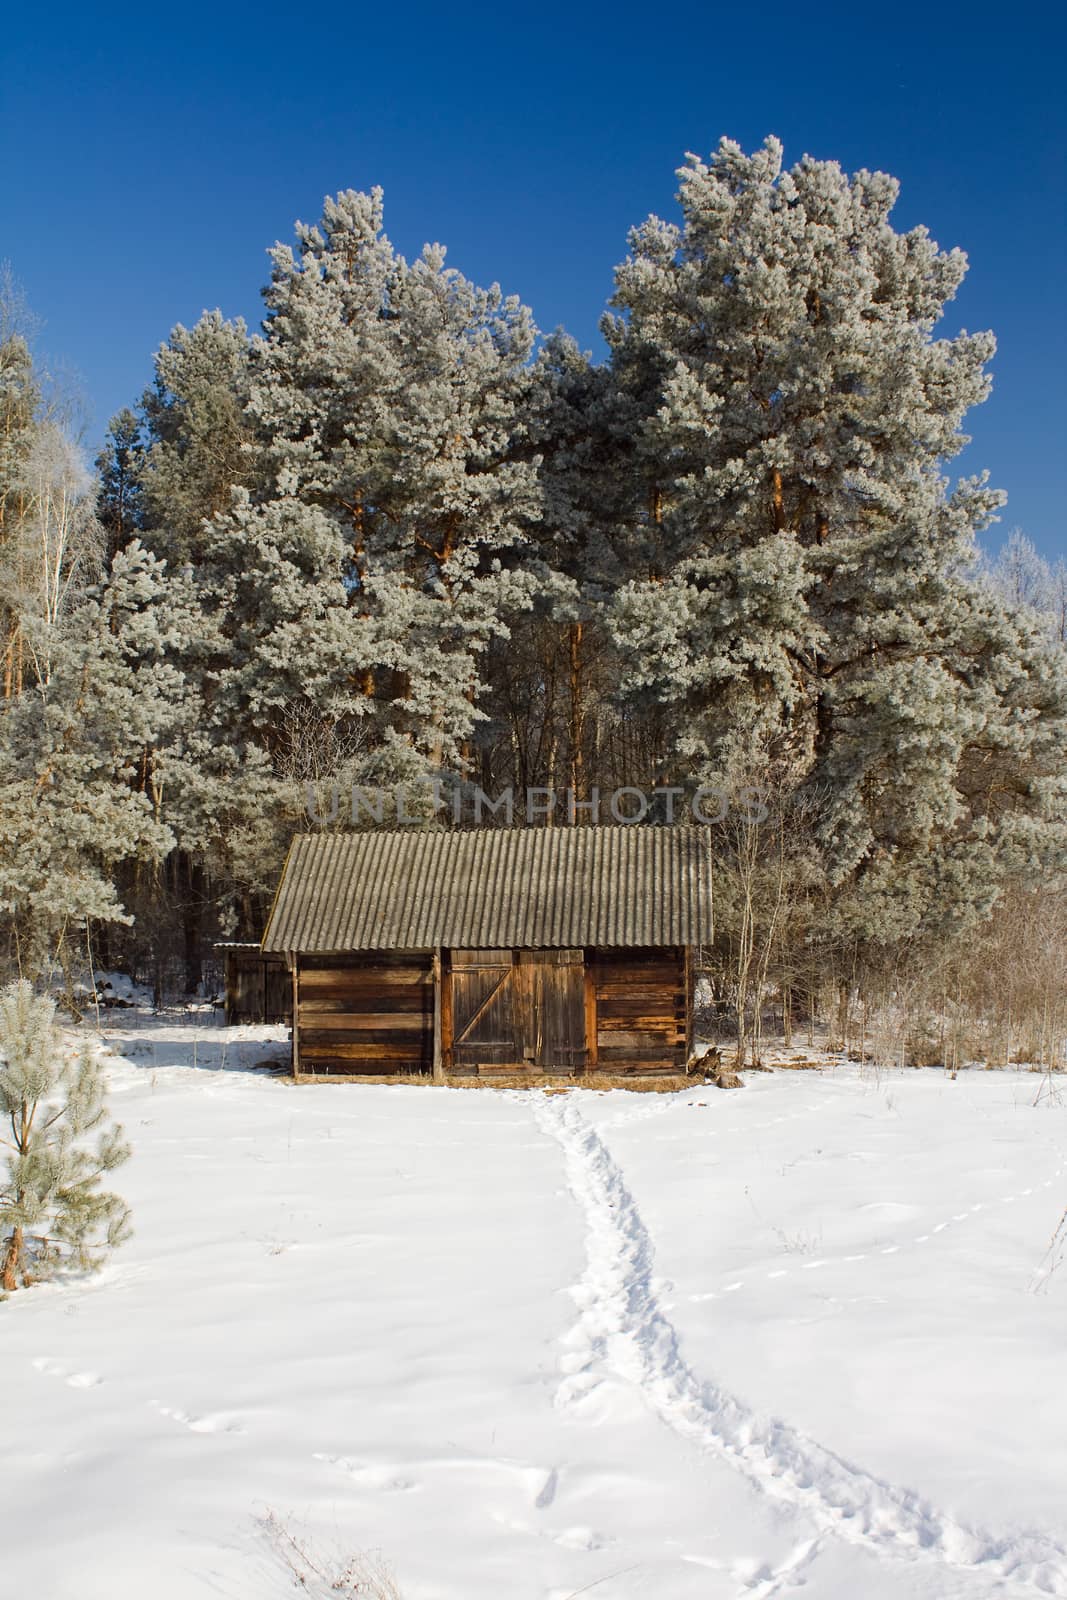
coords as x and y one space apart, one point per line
363 1576
664 1083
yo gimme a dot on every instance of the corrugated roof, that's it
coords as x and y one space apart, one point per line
530 888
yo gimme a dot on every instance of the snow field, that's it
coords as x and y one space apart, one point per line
787 1339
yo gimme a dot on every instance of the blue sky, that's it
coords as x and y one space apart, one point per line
149 158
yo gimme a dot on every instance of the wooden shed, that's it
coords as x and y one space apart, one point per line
496 952
258 988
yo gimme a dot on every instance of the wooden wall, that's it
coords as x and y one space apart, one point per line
514 1011
642 1007
502 1013
368 1014
258 987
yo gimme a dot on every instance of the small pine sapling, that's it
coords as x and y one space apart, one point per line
59 1141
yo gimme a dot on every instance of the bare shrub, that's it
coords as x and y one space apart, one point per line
325 1575
1052 1258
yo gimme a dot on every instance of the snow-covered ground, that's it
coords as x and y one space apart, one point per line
790 1339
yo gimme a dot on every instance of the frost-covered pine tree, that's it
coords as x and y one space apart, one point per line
553 721
119 466
76 760
389 544
73 709
194 449
199 443
343 505
807 605
58 1145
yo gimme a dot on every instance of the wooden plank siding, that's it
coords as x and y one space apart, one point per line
369 1014
516 1011
495 1013
642 1021
257 986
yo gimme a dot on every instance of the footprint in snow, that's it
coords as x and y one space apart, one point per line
74 1380
210 1422
367 1475
581 1539
541 1485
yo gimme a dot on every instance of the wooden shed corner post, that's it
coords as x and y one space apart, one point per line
589 978
448 1026
688 1007
296 1016
438 1018
230 980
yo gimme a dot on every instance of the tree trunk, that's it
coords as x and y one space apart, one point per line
12 1261
577 715
842 1017
777 501
191 924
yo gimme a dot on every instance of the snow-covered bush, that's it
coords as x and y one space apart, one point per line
58 1143
119 989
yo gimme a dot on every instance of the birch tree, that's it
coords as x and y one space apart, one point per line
19 400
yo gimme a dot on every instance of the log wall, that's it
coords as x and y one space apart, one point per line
501 1013
641 1010
258 988
368 1014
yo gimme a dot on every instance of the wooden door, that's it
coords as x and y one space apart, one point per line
484 1014
517 1011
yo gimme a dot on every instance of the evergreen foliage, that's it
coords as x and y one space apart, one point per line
393 398
808 608
58 1145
